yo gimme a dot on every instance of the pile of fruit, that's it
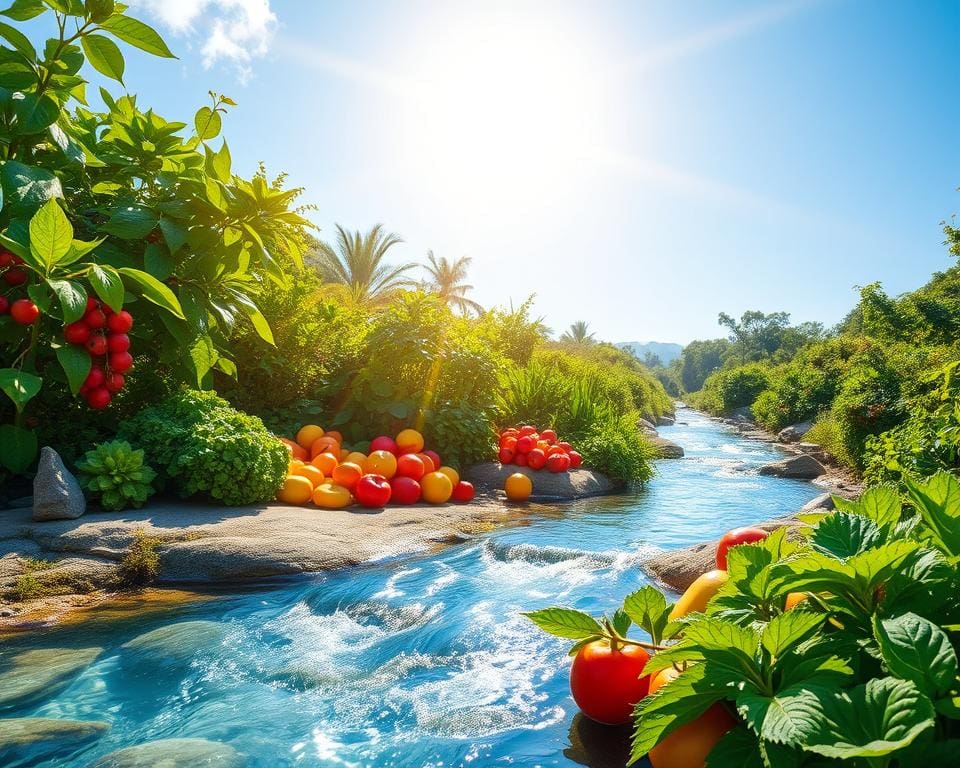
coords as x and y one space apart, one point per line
395 470
526 447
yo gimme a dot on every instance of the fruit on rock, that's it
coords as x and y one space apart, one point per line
296 451
347 474
518 487
428 463
296 489
698 594
521 460
307 434
451 473
507 455
436 488
373 491
576 460
384 443
405 490
463 492
380 463
734 538
411 465
606 682
527 430
330 496
559 462
435 458
526 444
325 462
409 441
314 475
536 459
526 448
24 312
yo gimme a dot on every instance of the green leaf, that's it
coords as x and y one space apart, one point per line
262 327
76 363
786 718
34 113
844 535
203 356
222 162
131 222
24 10
19 386
174 233
103 55
648 609
158 262
100 10
154 291
137 34
27 187
107 285
739 748
880 504
207 123
916 649
215 194
72 297
18 447
18 40
15 73
871 720
938 504
51 234
399 410
788 630
621 622
565 622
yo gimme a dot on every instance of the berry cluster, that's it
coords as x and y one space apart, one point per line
103 333
23 311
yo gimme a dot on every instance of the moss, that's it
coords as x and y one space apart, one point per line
140 566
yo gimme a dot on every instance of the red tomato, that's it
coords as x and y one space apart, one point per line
735 537
95 378
98 398
463 492
410 465
510 432
94 318
554 450
520 460
565 445
404 490
507 455
373 491
606 683
384 443
536 459
508 441
435 457
526 444
527 430
24 312
549 435
559 462
575 460
114 383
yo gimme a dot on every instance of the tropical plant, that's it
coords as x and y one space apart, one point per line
117 475
356 264
578 333
447 281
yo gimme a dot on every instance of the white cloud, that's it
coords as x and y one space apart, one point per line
234 32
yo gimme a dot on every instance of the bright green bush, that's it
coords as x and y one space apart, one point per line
727 390
617 449
116 474
201 445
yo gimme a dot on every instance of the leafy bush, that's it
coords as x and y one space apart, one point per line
617 448
140 565
117 475
203 446
727 390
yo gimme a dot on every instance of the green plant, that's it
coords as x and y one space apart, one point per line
726 390
140 565
203 446
116 474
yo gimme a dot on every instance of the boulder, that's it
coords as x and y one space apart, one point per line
40 738
666 449
802 467
30 676
666 421
547 486
174 753
646 426
56 493
743 413
809 448
822 503
794 432
172 645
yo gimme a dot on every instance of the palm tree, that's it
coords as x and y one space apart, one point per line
446 280
357 263
577 333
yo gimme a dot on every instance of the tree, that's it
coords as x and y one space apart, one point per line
700 359
652 360
447 281
357 262
577 333
757 335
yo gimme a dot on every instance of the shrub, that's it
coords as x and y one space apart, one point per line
140 565
117 475
202 445
617 448
727 390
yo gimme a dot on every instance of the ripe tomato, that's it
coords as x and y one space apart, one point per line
435 457
526 444
698 594
410 441
384 443
410 465
379 463
117 342
24 312
575 460
606 683
121 322
95 378
558 462
734 538
94 318
114 382
463 492
405 490
536 459
689 745
98 398
436 488
507 455
566 446
508 441
554 450
518 487
520 460
510 432
527 430
428 464
373 491
76 333
549 435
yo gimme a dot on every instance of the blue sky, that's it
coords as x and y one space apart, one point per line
640 165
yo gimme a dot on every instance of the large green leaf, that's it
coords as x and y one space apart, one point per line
844 535
131 222
15 72
788 630
739 748
565 622
938 504
100 10
76 364
34 113
207 123
72 297
260 324
18 447
880 504
786 718
24 10
648 609
103 55
107 284
19 386
27 187
153 290
916 649
51 234
137 34
18 40
203 356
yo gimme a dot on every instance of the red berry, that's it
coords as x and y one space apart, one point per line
118 342
99 398
7 259
76 333
95 378
4 305
24 312
92 304
114 382
120 362
15 276
95 318
97 344
120 322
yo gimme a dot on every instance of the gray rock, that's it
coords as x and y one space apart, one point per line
794 432
39 738
666 449
823 502
173 645
802 467
56 493
666 421
35 674
743 413
646 426
174 753
547 486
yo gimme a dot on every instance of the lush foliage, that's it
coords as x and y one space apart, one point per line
727 390
117 475
206 447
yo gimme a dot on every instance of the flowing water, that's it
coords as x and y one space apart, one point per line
421 661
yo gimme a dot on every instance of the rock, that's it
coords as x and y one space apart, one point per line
173 645
823 502
743 413
802 467
39 738
56 493
32 675
666 449
547 486
174 753
666 421
646 426
794 432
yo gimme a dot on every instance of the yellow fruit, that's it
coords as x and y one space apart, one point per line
326 463
331 496
355 457
347 474
380 463
296 489
518 487
308 434
410 441
312 473
452 474
698 594
344 454
794 599
436 488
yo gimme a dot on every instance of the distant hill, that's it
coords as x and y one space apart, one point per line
666 351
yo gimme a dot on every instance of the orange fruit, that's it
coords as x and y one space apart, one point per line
296 489
451 473
312 473
794 599
308 434
325 462
344 454
411 465
331 496
335 435
410 441
518 487
355 457
428 463
296 451
381 463
436 487
323 444
347 475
